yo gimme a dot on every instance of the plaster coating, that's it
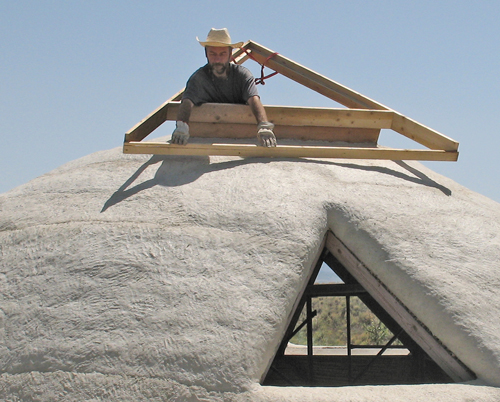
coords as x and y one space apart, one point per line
171 278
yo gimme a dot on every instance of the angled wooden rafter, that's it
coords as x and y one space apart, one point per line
359 123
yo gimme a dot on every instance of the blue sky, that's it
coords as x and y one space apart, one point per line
76 75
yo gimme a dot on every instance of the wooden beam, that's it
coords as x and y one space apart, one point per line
312 79
421 134
335 289
365 136
283 151
287 115
239 56
326 117
398 311
151 122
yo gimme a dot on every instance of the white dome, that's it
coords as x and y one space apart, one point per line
134 277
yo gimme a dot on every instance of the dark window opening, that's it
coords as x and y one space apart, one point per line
340 335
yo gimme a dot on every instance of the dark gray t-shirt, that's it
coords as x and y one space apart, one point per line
204 87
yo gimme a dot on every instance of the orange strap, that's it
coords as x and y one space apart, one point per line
262 78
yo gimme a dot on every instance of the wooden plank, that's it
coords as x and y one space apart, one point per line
215 113
151 122
312 79
329 117
301 133
288 115
241 59
394 307
335 289
289 151
421 134
239 56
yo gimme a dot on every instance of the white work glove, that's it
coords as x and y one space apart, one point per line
265 134
181 133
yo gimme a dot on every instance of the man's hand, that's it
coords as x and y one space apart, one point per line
265 134
181 133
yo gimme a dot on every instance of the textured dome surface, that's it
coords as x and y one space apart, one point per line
172 278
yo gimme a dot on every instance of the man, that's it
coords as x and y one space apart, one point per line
220 81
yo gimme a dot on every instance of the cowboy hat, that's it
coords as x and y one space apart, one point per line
219 38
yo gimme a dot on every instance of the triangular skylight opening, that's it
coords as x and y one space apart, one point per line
340 335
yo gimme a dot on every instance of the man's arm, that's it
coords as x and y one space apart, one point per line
257 109
184 112
181 133
265 133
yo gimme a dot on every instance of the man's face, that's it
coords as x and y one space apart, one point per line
218 58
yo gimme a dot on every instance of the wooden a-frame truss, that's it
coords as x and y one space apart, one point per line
358 124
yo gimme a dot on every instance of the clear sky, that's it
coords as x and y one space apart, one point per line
76 75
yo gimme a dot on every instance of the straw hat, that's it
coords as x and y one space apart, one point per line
219 38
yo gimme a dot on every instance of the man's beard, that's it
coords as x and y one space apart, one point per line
219 68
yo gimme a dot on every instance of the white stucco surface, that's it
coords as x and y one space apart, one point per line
171 278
